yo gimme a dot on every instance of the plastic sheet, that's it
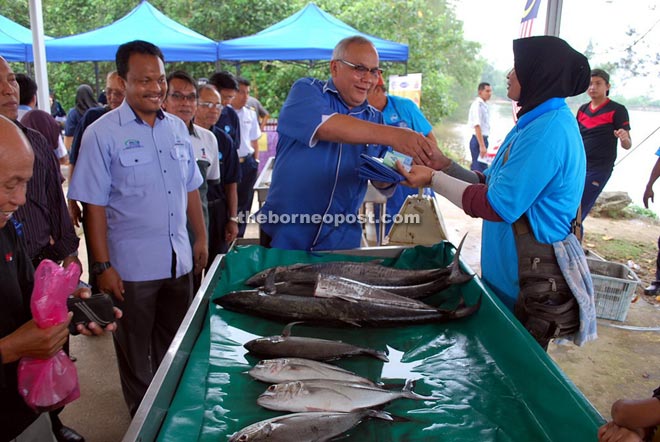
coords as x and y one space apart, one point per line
491 380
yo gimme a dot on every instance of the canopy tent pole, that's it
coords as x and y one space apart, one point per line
553 17
96 77
39 52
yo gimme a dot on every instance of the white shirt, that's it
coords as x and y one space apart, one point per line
205 148
249 130
479 116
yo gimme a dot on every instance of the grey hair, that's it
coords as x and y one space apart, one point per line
340 50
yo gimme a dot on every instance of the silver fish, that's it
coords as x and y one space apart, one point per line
305 427
329 395
297 369
286 345
299 279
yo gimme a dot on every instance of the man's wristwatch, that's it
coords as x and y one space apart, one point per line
233 218
100 267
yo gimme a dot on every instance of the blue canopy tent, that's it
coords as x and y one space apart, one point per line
145 22
309 34
15 41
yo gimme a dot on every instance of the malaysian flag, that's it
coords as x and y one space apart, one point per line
530 13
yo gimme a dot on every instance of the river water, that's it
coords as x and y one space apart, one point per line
633 167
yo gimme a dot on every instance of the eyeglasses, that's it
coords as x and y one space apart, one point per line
176 96
114 92
362 70
206 104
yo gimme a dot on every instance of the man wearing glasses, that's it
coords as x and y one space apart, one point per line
324 126
181 101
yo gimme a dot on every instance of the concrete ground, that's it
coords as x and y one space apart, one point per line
621 363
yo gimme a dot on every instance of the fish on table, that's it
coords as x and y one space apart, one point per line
285 345
335 311
280 370
372 273
330 395
305 427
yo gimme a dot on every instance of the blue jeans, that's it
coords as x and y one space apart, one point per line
474 151
593 185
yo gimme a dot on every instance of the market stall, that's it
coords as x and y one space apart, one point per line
488 378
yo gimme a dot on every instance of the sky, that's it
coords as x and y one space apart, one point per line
495 23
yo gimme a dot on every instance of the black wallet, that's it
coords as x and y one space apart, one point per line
98 309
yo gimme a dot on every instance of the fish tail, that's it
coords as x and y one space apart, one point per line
457 275
463 311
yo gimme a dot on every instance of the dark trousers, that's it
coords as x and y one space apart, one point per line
245 189
218 218
474 152
153 311
593 185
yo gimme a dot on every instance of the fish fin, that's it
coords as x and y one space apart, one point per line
378 355
351 323
379 414
269 284
287 330
408 393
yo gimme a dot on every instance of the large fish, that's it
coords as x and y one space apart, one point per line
456 275
366 272
330 395
307 348
276 371
305 427
337 311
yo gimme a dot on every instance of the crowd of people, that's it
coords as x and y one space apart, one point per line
167 166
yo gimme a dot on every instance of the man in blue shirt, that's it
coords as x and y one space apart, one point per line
400 112
137 174
315 192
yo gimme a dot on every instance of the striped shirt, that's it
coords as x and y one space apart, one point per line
46 226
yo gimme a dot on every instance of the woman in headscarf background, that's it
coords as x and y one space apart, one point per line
46 125
537 172
84 100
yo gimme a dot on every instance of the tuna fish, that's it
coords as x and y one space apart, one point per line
305 427
330 395
307 348
338 312
296 369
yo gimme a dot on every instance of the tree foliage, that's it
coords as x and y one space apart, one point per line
438 49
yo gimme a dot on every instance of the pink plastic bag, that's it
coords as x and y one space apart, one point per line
47 384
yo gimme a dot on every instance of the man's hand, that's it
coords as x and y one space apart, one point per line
30 340
231 231
70 260
75 213
624 136
439 161
648 194
483 150
419 176
200 255
414 145
110 282
611 432
93 329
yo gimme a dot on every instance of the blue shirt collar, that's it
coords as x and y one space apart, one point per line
546 106
330 87
128 114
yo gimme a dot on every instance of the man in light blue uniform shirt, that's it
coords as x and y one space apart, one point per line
137 173
400 112
323 128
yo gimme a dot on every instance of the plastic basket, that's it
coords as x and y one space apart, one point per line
614 287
